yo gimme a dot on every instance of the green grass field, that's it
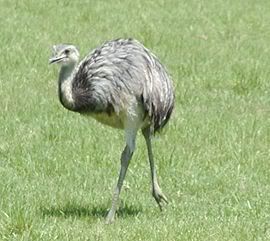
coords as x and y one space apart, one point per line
58 169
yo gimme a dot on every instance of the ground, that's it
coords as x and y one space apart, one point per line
58 169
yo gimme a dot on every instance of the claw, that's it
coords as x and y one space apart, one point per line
159 197
110 217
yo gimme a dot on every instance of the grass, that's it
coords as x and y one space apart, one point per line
58 170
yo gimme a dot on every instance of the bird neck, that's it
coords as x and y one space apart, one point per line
65 86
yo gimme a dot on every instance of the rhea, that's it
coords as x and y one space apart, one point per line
123 85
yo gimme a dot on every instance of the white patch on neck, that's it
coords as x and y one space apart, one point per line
66 89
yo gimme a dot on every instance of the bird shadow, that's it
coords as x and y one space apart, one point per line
75 210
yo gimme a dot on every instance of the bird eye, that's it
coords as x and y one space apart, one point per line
67 51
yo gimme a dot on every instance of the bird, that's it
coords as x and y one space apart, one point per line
121 84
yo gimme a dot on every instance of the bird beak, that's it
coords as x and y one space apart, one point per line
56 59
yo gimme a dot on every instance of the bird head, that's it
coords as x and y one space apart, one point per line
64 54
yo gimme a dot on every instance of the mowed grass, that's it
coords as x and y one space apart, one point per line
58 169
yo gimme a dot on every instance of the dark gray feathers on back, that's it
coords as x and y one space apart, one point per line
121 68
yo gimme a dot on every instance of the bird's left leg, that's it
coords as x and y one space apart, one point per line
156 190
125 159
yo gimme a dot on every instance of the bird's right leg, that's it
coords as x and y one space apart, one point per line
125 159
156 190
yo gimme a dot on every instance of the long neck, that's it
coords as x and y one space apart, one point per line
65 86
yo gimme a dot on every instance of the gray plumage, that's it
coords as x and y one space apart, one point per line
123 85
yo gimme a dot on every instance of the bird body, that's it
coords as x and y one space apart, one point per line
120 84
118 78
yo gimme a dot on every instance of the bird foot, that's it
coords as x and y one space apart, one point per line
110 217
159 197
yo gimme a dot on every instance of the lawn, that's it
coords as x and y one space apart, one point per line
58 169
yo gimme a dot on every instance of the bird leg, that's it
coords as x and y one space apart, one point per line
125 159
156 190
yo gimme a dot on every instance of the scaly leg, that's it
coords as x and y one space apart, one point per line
125 159
156 190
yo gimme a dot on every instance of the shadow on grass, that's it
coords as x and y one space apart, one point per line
74 210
